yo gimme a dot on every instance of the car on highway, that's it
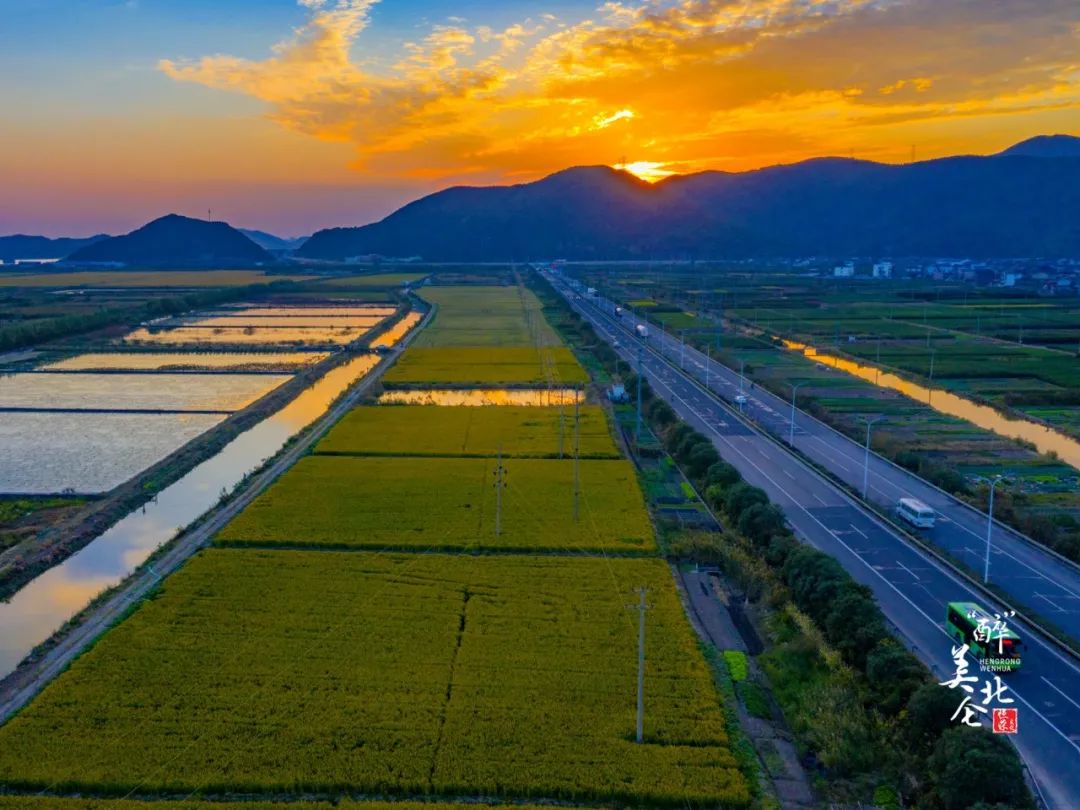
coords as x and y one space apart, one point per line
741 399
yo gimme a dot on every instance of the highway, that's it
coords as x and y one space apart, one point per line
911 586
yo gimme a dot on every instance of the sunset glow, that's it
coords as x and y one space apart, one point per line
647 170
332 112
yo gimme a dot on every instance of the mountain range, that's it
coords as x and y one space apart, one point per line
269 241
21 246
1021 202
1024 201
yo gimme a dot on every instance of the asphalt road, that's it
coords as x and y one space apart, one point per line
27 681
911 586
1033 576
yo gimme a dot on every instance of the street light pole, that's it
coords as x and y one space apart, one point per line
794 390
866 458
989 528
708 362
682 348
742 367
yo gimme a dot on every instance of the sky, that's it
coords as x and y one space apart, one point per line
294 115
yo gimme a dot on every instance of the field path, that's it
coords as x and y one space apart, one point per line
30 678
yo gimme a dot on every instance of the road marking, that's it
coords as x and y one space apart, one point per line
857 529
822 502
1052 602
913 574
787 472
1059 691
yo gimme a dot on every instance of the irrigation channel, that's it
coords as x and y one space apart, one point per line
1045 439
41 607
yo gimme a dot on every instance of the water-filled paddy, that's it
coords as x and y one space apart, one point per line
88 452
222 335
287 321
156 361
44 604
132 392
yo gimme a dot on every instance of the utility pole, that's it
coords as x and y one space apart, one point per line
990 528
641 607
866 458
562 421
794 390
637 433
577 456
500 485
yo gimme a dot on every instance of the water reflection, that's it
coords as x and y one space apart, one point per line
158 361
1045 439
484 396
396 332
41 607
247 334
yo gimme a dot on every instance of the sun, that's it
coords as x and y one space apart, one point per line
646 170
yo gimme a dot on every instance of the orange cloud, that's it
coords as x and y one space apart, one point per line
690 84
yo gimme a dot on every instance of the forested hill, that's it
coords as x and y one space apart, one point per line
1022 202
176 241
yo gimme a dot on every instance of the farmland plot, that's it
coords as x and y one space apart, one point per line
47 452
447 503
435 430
132 392
164 361
487 365
496 676
486 316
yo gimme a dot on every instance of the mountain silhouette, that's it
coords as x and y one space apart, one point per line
1018 203
21 246
175 241
1048 146
269 241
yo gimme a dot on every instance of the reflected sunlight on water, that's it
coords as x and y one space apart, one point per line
1044 438
37 610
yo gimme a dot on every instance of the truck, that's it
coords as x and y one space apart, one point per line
642 331
591 292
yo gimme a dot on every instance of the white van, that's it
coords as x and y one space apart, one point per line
915 512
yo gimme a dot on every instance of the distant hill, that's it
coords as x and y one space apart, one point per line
1046 146
176 241
21 246
269 241
957 206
